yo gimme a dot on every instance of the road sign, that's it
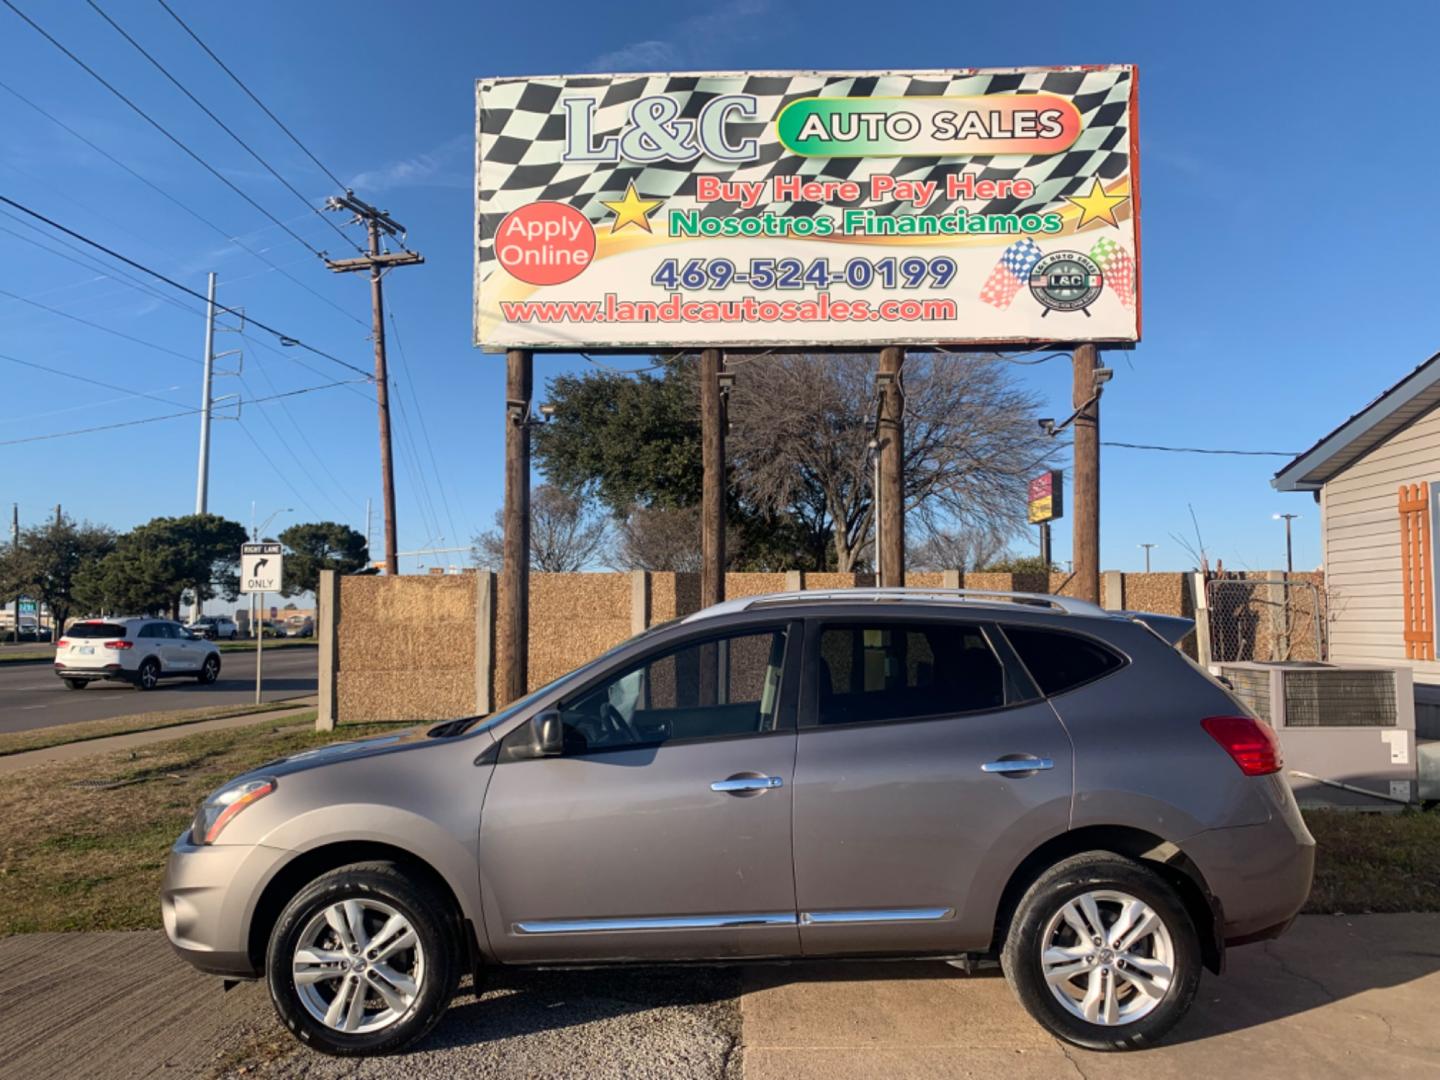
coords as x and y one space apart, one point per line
27 607
260 568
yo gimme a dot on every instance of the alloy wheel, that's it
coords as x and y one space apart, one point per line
1107 957
358 966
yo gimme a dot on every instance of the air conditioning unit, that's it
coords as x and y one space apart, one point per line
1347 730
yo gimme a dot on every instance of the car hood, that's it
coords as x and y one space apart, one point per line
396 742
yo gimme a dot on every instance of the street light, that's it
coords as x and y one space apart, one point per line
1147 548
1289 551
255 532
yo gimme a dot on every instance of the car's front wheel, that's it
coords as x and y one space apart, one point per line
1103 953
363 960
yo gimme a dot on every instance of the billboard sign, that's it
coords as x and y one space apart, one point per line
807 208
1046 497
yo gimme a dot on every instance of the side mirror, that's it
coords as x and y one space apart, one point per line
547 734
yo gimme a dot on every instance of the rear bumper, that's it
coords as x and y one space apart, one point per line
1261 874
91 674
208 898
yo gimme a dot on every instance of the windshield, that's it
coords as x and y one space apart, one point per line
483 723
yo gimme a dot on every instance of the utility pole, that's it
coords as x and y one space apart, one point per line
377 262
712 490
202 480
1289 550
1147 548
1085 398
891 493
514 651
15 550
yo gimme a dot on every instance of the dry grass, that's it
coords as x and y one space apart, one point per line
1375 862
78 856
17 742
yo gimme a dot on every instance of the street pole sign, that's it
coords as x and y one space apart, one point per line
261 569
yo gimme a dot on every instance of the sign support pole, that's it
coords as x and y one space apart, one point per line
1085 397
515 566
259 640
1045 544
712 498
892 469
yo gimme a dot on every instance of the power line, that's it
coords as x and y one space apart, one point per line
285 339
167 416
99 326
1202 450
424 427
293 138
222 125
163 130
276 469
183 206
85 379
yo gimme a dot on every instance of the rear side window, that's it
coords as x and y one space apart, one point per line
1058 661
95 630
900 671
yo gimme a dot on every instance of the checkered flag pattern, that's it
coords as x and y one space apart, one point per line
1118 267
522 136
1011 273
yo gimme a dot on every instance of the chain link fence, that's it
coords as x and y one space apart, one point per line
1266 620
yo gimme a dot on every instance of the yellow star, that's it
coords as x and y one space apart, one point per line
632 210
1097 206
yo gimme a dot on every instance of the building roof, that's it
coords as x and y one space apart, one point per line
1408 400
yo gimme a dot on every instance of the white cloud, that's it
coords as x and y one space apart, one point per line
689 42
441 166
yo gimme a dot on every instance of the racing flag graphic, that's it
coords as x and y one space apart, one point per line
1118 267
1011 273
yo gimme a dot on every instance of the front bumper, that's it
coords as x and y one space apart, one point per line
208 898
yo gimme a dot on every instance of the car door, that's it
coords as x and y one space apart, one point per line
663 830
150 641
926 767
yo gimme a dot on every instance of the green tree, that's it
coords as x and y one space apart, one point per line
153 565
322 545
50 558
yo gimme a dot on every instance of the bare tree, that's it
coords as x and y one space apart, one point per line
801 426
661 538
959 549
566 534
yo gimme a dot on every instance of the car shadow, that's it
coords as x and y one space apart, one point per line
297 684
1324 959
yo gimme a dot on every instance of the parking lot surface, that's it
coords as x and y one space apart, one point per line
32 697
1340 996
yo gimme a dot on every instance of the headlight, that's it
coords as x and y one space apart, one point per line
218 810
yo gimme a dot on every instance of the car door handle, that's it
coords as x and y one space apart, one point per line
1018 765
746 785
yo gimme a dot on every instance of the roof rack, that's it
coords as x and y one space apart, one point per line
1066 604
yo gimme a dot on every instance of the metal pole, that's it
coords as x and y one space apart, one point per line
1085 397
202 479
1045 544
15 550
515 563
259 639
1289 551
368 554
875 501
712 484
892 469
1147 548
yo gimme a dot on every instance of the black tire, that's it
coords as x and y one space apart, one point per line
436 927
74 684
209 671
148 677
1105 872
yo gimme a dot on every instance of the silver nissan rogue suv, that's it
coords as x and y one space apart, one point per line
881 773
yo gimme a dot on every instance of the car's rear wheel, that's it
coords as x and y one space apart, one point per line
363 960
148 677
210 670
74 684
1103 953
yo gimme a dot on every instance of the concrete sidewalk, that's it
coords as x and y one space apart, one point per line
1338 996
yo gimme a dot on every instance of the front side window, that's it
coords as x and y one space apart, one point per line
709 689
901 671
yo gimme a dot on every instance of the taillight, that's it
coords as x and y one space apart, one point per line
62 644
119 644
1249 742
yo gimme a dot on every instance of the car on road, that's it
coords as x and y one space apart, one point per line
214 628
966 776
139 651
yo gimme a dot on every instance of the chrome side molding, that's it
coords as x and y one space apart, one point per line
674 922
875 915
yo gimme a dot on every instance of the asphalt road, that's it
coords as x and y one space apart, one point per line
32 697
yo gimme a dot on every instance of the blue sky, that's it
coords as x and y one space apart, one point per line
1286 283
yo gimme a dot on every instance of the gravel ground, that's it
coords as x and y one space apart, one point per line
625 1024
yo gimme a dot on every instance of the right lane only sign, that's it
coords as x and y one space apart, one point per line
261 566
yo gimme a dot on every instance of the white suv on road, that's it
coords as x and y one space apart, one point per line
139 651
